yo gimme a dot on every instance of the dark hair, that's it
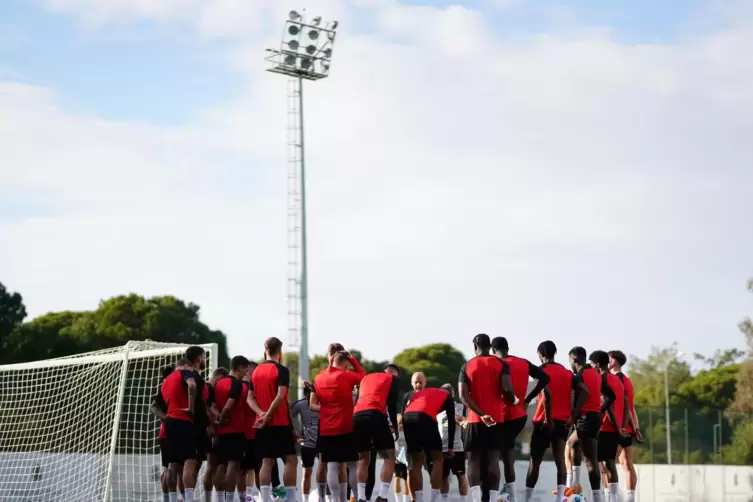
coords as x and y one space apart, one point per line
340 357
238 362
392 367
306 392
184 362
447 387
599 357
579 353
273 346
482 341
618 356
220 372
547 349
252 365
193 353
167 370
499 344
334 348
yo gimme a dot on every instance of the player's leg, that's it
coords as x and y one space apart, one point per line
321 477
414 437
628 469
371 479
474 444
559 437
432 446
586 435
207 481
233 452
401 482
384 443
458 469
512 429
607 453
307 465
362 436
444 489
540 441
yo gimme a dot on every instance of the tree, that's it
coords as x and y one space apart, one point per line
648 375
440 362
720 357
744 397
12 314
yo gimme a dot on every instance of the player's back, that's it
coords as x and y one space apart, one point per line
619 402
592 380
483 375
373 392
519 372
267 378
430 401
560 391
630 392
335 392
175 393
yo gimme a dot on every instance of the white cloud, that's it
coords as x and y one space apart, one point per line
550 187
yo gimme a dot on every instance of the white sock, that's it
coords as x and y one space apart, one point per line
576 475
630 496
165 497
188 496
529 494
419 496
607 494
361 489
434 495
229 496
266 494
242 495
384 490
493 495
290 493
560 492
306 497
173 496
220 497
614 492
445 496
597 496
463 498
510 492
476 494
343 492
208 496
569 479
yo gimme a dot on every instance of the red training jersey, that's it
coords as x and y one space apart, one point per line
614 384
175 393
374 392
334 388
592 379
558 393
630 396
225 389
431 401
249 417
267 378
483 374
519 372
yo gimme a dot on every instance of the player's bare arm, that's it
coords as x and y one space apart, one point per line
314 404
158 409
542 380
465 398
581 396
253 403
276 402
191 384
607 404
508 391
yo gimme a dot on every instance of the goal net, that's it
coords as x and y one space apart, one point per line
80 427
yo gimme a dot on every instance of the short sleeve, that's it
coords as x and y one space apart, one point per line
205 394
187 375
621 377
463 377
606 389
505 368
236 388
283 376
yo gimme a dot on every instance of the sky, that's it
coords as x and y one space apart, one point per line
579 171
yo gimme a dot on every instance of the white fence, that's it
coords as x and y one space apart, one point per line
136 479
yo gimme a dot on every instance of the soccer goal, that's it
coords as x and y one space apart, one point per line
80 428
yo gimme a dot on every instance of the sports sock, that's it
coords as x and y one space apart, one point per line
242 496
321 489
434 495
569 479
290 493
173 496
188 496
229 496
529 494
445 496
361 490
463 498
614 492
597 496
384 490
165 497
208 496
630 496
510 488
576 475
419 496
560 492
344 492
493 495
306 497
266 493
607 494
476 494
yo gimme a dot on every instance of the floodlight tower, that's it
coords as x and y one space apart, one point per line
305 53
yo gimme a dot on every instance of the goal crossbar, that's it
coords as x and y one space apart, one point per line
130 354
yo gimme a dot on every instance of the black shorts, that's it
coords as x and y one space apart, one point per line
230 448
308 455
587 426
625 442
250 460
542 438
340 448
479 437
203 444
454 464
275 441
164 457
180 439
421 433
608 442
371 430
512 428
401 470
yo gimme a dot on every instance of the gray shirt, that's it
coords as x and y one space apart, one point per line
309 420
442 419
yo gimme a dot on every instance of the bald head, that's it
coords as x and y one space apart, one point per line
418 381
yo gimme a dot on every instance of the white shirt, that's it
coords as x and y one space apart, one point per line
442 423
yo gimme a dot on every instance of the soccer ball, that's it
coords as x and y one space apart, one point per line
576 498
503 497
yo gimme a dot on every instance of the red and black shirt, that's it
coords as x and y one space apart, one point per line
378 391
267 378
175 394
614 396
249 417
483 376
230 388
432 402
630 391
520 369
557 395
592 380
334 388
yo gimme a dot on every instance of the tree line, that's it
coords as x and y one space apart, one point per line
711 409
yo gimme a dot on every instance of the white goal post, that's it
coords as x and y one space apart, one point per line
80 427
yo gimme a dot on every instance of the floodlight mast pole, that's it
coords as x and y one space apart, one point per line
299 63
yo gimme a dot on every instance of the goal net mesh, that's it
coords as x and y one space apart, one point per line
72 427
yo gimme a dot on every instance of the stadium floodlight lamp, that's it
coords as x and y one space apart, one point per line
301 57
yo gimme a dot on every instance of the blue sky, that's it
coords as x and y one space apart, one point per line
526 168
